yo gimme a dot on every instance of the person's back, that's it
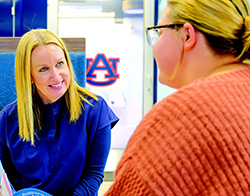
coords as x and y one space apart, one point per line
195 142
191 143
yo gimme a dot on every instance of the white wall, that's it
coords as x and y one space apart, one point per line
52 15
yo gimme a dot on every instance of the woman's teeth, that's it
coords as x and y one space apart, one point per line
56 85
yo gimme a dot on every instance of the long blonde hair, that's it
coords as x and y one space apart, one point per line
28 113
225 23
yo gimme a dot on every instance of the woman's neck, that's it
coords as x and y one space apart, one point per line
229 67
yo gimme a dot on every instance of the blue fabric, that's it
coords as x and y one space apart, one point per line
68 158
7 74
78 60
7 78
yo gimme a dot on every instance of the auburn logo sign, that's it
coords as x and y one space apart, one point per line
102 71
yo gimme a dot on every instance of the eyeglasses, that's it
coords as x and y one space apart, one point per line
153 32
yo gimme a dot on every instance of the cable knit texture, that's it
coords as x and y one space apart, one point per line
195 142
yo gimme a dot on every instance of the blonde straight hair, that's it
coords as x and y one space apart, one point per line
28 113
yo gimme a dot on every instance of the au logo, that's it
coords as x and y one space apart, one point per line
102 71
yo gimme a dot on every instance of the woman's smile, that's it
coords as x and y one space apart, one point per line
57 85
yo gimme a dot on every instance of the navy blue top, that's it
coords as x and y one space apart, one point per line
68 158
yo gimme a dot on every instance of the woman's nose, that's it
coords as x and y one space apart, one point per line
55 74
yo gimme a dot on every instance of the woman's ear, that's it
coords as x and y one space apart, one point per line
189 36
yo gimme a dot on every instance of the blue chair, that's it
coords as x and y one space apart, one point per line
76 47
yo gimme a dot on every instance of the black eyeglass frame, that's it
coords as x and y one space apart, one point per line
164 26
159 27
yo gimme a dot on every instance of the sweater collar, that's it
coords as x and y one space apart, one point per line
234 76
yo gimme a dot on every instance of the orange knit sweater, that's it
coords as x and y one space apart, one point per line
195 142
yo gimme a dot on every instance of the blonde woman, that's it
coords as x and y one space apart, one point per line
56 136
196 141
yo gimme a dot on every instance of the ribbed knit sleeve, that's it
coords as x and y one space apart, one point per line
195 142
128 181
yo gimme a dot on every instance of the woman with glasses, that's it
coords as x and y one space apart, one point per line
196 141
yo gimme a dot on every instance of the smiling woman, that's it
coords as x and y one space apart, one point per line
49 72
8 46
56 136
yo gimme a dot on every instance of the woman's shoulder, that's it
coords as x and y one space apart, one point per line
187 103
185 96
9 109
202 99
8 119
203 90
99 109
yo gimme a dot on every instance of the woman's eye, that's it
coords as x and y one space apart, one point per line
60 64
43 69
